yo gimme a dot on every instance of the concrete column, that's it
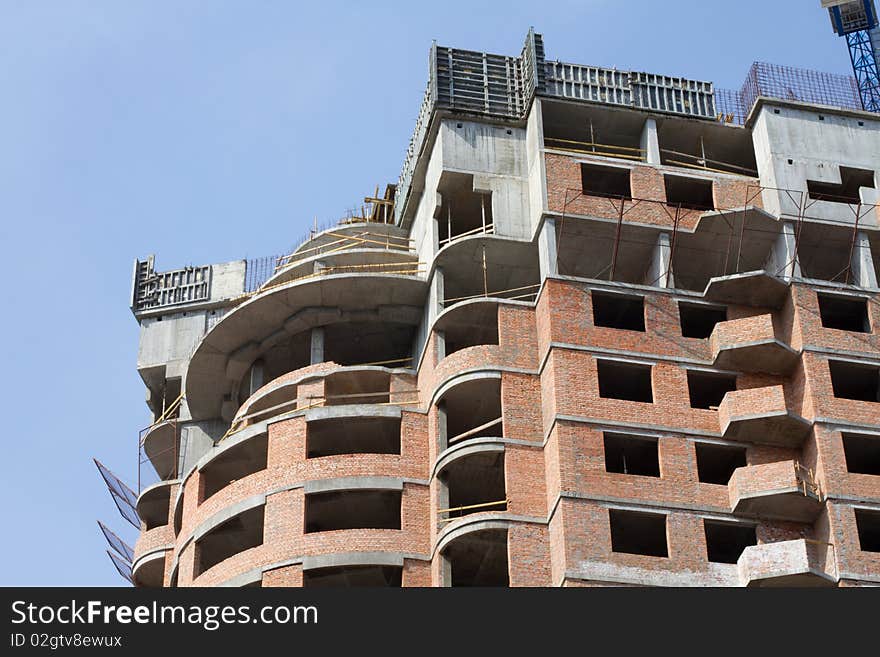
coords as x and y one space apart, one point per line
863 272
445 572
659 272
650 143
436 294
782 260
442 431
317 354
440 345
319 266
547 253
256 378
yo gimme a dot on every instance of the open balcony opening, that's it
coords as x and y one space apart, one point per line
353 435
618 311
360 387
239 533
489 268
591 129
824 251
353 576
365 343
631 455
689 193
246 458
862 453
707 389
725 541
698 320
352 509
629 381
716 463
477 326
463 211
847 191
855 381
479 559
475 484
607 182
472 410
635 532
844 313
868 524
153 507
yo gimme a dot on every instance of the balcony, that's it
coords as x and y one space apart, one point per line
751 345
753 288
761 415
784 490
788 563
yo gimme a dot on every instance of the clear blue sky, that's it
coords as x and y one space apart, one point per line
211 131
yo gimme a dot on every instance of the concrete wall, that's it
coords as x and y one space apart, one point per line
816 148
496 155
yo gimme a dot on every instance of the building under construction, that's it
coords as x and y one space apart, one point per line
608 328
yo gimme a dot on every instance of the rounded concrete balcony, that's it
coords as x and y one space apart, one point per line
148 570
511 269
154 503
392 304
324 522
388 260
161 447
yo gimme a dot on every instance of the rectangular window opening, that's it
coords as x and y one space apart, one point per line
725 541
618 311
707 389
855 381
868 524
689 193
698 321
716 463
635 532
610 182
862 453
627 381
631 455
847 191
352 509
844 314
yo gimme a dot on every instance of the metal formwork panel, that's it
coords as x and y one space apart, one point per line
669 94
591 83
156 290
478 82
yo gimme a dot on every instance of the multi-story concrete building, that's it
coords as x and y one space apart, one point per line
608 328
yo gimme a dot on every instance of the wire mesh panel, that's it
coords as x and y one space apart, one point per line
116 543
800 84
123 567
123 496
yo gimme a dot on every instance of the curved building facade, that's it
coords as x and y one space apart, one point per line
591 337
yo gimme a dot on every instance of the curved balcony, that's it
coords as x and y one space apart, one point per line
761 415
471 479
154 504
753 288
751 344
488 266
148 571
783 490
470 407
468 324
473 552
161 447
787 563
366 317
389 260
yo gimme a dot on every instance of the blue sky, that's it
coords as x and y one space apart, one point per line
211 131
